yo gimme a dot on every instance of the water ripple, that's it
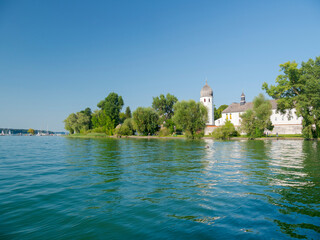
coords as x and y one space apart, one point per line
58 188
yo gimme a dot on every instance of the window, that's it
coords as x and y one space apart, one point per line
227 116
230 116
209 99
275 119
204 100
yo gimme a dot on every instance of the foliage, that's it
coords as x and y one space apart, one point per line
126 129
191 117
225 131
88 113
164 132
111 107
164 105
169 124
299 88
218 112
128 112
31 131
76 123
69 122
145 120
255 121
122 117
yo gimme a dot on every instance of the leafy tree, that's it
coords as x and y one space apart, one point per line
191 117
225 131
70 122
145 120
88 113
83 122
122 117
128 112
255 121
218 112
111 107
76 123
31 131
164 105
299 88
126 129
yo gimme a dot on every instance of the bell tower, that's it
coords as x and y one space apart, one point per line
206 97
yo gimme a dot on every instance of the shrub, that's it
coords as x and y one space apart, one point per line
225 131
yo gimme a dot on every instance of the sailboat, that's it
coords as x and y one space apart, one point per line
2 133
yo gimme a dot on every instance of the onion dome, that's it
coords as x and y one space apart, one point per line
206 91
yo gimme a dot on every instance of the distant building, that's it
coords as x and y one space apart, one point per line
206 98
288 123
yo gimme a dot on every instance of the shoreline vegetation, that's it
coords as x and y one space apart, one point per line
296 88
103 135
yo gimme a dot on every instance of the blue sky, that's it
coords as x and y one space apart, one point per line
59 57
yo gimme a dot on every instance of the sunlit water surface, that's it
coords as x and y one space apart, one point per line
60 188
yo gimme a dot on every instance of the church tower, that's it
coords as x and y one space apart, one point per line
206 97
243 99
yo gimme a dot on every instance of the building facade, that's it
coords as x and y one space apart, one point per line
288 123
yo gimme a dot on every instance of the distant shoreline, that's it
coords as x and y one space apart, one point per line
180 137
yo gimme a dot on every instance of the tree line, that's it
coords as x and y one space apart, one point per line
165 117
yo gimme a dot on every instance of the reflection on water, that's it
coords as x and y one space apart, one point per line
139 188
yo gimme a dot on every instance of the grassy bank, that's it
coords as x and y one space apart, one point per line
103 135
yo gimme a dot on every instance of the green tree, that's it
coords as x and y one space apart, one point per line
126 129
191 117
218 112
88 113
145 120
76 123
70 122
225 131
83 122
255 121
128 112
31 131
111 107
164 105
299 88
122 117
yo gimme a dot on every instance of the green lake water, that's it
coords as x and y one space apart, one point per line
62 188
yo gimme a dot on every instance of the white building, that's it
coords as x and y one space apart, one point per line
206 98
288 123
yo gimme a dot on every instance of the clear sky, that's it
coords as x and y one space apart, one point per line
59 57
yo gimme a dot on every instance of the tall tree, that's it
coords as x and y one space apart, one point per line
128 112
145 120
191 117
112 106
164 105
299 88
255 121
70 123
88 113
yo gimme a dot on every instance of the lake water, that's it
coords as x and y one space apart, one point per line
61 188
